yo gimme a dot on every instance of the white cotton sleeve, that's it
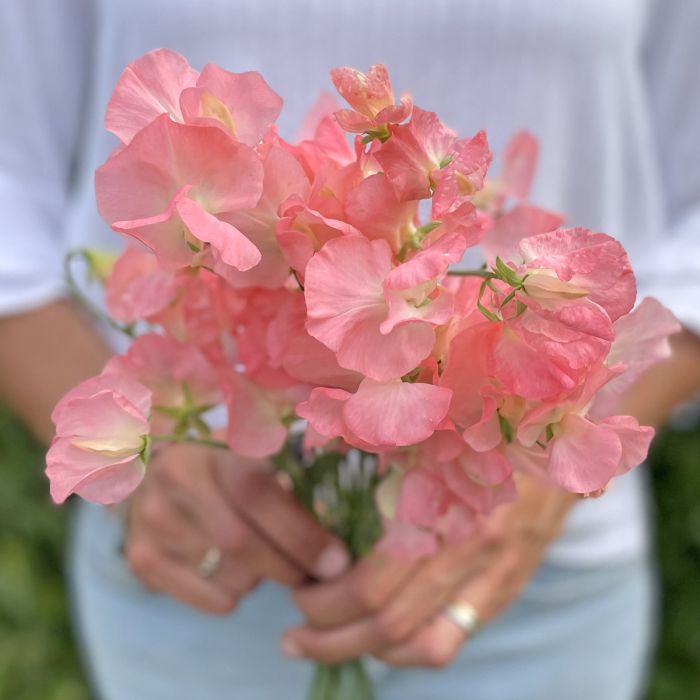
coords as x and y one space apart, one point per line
671 269
44 73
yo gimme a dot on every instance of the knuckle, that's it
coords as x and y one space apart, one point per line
493 538
226 605
252 485
150 510
234 539
167 472
445 577
250 585
391 627
509 576
534 536
367 595
141 557
292 577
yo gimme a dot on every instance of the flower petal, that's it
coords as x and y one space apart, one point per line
396 413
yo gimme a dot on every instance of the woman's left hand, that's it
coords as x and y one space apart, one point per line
394 609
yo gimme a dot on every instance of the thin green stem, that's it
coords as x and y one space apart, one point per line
207 442
486 274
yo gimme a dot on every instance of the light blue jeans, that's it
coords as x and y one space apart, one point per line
573 635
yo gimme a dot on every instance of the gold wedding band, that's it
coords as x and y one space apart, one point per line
464 616
211 561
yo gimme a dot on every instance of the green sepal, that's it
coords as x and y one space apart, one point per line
380 132
507 274
506 428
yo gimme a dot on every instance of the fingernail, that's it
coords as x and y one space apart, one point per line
290 648
332 561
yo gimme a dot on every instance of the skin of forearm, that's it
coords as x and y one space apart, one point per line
44 353
668 384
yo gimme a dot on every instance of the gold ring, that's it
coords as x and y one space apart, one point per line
464 616
211 561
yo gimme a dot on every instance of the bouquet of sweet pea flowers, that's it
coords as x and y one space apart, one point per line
314 290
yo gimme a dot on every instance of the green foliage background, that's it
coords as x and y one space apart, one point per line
37 655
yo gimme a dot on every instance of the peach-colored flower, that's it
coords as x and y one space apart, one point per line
101 438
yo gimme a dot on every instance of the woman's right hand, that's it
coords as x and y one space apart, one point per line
196 498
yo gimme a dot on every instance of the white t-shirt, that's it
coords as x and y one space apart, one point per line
609 88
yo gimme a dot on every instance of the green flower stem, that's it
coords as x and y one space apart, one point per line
486 274
342 499
346 681
207 442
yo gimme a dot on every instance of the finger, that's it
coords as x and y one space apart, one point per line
243 546
220 525
166 575
364 590
425 592
188 482
284 521
492 591
179 537
153 515
359 593
235 577
434 645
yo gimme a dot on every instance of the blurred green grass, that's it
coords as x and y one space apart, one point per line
38 660
37 656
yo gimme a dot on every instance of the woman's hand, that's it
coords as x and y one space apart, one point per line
394 609
196 500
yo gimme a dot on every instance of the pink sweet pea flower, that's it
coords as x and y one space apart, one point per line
583 454
411 290
641 340
515 178
302 231
519 163
149 86
379 415
169 188
324 410
307 223
138 288
378 319
396 413
192 305
373 208
290 347
101 437
406 541
258 417
424 157
182 381
162 82
463 176
322 141
506 227
574 263
242 104
446 499
539 356
415 153
253 355
370 97
505 230
527 355
284 180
